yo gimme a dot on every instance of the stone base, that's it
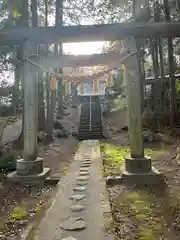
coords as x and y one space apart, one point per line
138 165
26 168
29 179
153 177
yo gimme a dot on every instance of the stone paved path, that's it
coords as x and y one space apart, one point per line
81 202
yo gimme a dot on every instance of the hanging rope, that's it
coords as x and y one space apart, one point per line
116 64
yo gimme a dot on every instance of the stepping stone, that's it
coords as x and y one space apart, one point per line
80 189
69 238
77 208
82 183
77 197
85 165
73 224
82 178
84 173
83 169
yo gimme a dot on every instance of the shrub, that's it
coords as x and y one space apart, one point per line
61 134
58 125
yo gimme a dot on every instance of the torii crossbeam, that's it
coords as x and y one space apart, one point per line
52 61
84 33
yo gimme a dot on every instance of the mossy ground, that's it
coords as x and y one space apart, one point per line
142 214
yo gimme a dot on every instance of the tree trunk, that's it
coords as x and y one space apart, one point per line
59 21
172 83
49 115
49 110
163 88
60 96
158 85
41 105
24 22
136 7
17 79
154 55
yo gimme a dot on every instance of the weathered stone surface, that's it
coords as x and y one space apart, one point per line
85 165
88 164
87 160
77 208
84 173
80 189
69 238
82 183
77 197
82 178
73 224
82 169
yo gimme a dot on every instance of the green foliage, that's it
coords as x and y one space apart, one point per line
151 119
58 125
178 87
5 110
7 163
18 213
115 104
149 136
138 205
115 155
119 83
61 133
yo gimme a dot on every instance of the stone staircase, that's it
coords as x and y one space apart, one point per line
90 120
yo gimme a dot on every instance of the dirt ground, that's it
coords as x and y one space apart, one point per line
146 213
22 205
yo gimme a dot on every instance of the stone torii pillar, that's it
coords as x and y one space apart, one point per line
138 169
30 168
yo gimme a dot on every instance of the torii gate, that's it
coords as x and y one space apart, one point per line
137 165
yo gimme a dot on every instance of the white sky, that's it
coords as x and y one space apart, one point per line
83 48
